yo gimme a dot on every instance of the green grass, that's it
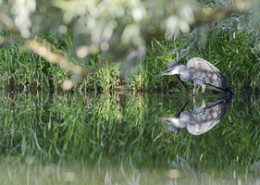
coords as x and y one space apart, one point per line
72 127
232 52
24 70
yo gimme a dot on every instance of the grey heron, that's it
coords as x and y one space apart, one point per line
201 72
202 118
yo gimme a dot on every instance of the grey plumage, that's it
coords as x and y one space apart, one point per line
201 72
201 119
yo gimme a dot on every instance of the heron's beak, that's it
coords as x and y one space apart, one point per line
169 72
170 120
176 122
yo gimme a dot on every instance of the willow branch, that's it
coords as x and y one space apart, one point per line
2 40
6 21
43 51
39 48
206 14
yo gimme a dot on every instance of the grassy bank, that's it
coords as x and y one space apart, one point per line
233 53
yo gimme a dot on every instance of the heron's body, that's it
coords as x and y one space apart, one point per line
201 72
201 119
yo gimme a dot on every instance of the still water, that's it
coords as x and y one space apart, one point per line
127 138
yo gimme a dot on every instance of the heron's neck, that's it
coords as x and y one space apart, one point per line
185 74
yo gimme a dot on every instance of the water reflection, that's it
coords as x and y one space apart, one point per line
123 172
201 119
83 131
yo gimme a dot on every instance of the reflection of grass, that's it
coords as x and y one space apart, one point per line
33 172
117 126
117 172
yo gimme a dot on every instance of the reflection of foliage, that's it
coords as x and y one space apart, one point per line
118 172
122 125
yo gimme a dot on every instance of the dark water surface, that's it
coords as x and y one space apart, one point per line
129 139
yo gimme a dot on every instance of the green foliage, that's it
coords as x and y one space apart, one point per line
106 77
19 69
233 53
159 54
116 126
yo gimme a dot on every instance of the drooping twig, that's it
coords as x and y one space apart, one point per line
2 40
43 51
6 21
207 15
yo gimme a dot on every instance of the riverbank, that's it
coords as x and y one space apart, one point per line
233 53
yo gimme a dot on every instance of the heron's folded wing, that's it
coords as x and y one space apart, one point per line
201 64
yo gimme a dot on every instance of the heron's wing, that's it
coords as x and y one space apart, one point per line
204 123
198 129
208 117
211 76
201 64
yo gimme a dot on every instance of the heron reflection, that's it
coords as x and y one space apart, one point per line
201 119
202 73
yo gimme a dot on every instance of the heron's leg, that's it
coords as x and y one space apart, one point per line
194 101
182 109
186 88
203 88
203 103
194 89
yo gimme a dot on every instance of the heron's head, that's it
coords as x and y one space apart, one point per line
177 69
176 122
171 124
